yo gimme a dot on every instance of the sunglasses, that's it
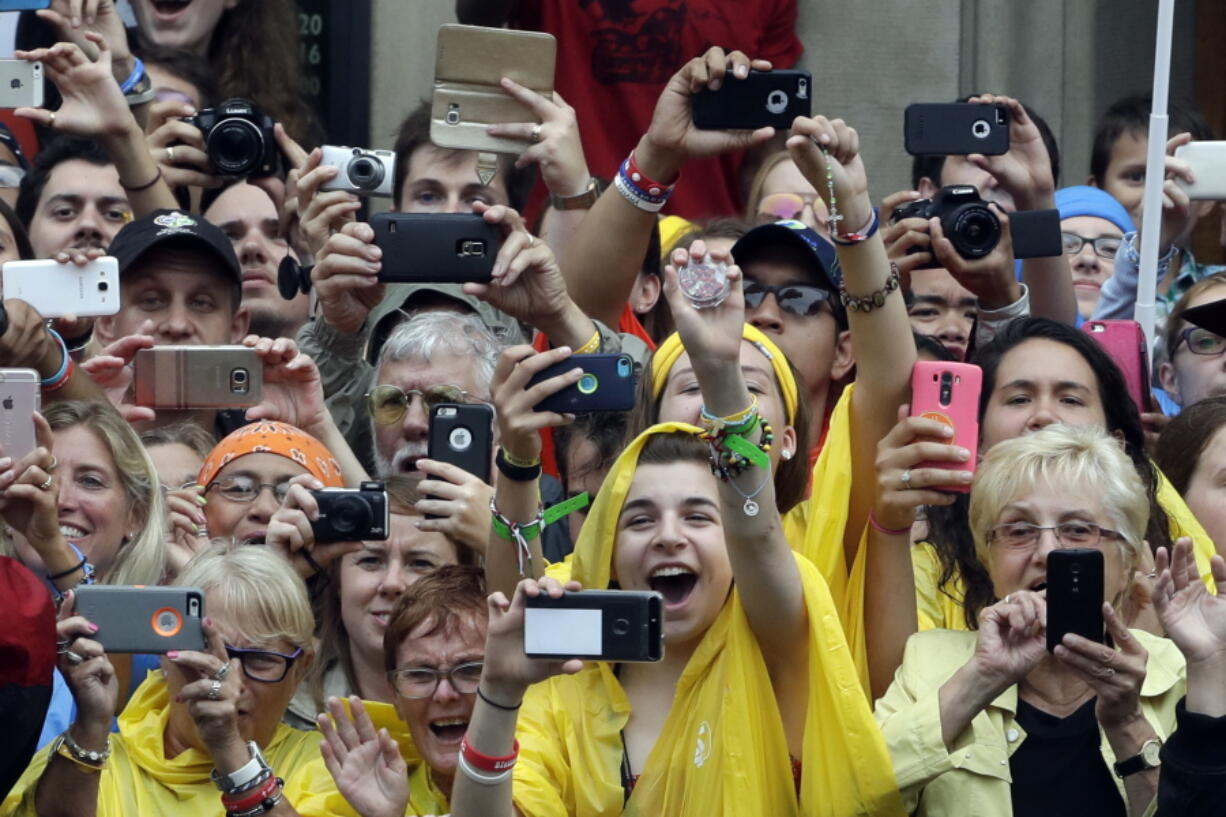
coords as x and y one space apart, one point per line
786 205
388 404
803 300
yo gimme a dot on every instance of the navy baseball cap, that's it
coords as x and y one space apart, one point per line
824 270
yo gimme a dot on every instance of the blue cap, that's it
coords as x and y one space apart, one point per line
1083 200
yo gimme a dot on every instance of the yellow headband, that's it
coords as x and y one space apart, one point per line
665 357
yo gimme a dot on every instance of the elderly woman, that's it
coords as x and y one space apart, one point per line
990 722
216 711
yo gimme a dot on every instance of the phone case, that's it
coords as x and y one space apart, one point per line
470 63
1124 341
463 434
182 377
1208 161
143 619
56 290
21 84
762 99
1074 594
19 399
955 129
607 385
949 393
24 5
436 247
601 625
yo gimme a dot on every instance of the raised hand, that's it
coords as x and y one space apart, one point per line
93 104
29 493
1115 675
320 214
556 149
346 277
904 236
186 531
75 20
366 765
1012 639
290 531
111 369
507 671
86 668
912 441
711 335
1024 171
293 392
459 501
991 277
518 424
216 716
1193 618
812 141
178 147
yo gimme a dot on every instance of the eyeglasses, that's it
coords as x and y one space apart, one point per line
799 299
1023 535
1106 246
240 488
388 404
1200 341
786 205
414 683
265 666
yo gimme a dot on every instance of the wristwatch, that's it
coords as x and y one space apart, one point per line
242 777
583 201
1148 758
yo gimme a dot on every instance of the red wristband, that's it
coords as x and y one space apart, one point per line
254 798
485 763
877 526
645 184
59 384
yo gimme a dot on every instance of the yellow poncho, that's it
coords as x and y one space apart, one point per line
722 751
140 780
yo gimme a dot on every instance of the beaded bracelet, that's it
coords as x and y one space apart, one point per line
873 300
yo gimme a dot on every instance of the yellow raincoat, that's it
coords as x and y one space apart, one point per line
139 780
722 751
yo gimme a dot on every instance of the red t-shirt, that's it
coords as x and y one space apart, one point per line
615 57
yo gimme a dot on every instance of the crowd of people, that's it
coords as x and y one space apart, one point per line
854 594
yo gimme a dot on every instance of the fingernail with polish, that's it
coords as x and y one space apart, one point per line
93 628
172 655
202 499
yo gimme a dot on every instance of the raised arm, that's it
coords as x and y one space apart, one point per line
881 334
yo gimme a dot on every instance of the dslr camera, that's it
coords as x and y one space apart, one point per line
238 138
364 172
348 515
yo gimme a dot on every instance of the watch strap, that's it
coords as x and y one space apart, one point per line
584 201
243 777
1141 760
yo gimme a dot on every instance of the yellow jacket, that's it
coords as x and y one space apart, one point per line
139 781
974 779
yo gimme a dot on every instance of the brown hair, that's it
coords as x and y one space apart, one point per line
448 600
186 433
403 492
1174 321
1184 440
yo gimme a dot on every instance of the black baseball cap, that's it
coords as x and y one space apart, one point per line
800 236
182 229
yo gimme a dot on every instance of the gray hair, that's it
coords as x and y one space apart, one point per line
425 334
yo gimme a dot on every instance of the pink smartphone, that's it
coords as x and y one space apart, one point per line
1124 341
949 394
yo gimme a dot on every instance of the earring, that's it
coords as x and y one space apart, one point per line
786 454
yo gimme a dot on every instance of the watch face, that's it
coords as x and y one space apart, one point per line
1151 753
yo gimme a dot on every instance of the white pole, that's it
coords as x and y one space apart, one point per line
1155 173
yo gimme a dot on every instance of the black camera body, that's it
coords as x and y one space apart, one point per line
349 515
239 139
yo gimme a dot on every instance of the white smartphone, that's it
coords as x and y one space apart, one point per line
1208 161
56 290
21 84
19 399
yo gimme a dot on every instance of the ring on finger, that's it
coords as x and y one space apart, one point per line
1007 597
1107 672
54 463
170 153
46 485
531 241
215 691
906 479
536 132
73 658
222 672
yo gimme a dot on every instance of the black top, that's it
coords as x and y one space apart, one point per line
1059 770
1192 782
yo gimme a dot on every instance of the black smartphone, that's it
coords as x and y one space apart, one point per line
955 129
607 385
463 434
143 619
436 247
762 99
1074 594
601 625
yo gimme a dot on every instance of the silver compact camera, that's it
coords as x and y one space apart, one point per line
364 172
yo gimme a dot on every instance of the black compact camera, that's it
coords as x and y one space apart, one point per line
348 515
974 229
238 138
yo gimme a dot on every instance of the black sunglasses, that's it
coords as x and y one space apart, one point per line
803 300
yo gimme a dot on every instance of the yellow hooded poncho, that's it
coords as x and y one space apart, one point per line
140 780
722 751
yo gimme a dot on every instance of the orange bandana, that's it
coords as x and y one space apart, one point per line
270 437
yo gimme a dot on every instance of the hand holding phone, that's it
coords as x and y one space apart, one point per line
56 290
1207 161
436 247
955 129
949 394
462 434
20 397
601 625
133 619
1074 594
184 377
607 384
762 99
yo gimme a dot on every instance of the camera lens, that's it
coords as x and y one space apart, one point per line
350 515
366 172
235 146
103 286
975 231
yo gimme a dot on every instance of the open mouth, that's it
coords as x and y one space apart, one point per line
382 618
1038 586
674 583
449 730
169 8
256 538
72 532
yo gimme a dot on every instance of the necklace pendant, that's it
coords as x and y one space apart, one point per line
751 508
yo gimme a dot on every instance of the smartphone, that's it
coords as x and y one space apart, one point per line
436 247
600 625
1124 341
468 97
183 377
949 393
1208 161
56 290
763 99
1074 594
463 434
19 399
607 385
955 129
143 619
21 83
